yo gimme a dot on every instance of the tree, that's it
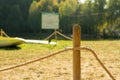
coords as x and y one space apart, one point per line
14 14
92 12
34 18
15 19
67 10
68 7
48 5
113 11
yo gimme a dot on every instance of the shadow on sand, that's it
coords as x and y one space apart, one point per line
10 48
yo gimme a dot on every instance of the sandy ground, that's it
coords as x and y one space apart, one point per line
59 67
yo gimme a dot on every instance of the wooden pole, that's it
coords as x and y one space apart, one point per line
1 32
55 34
76 53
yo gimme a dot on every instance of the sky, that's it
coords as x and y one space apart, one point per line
82 1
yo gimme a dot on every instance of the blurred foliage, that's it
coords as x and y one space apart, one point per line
100 18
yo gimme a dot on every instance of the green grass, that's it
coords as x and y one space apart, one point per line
59 67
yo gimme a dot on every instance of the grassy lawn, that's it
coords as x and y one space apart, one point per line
59 67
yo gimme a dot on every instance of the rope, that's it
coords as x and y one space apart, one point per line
60 51
32 61
111 76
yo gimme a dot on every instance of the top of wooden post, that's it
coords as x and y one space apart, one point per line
76 26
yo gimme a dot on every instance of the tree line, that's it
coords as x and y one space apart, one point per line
99 18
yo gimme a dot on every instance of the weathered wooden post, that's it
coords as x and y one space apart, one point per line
1 34
76 53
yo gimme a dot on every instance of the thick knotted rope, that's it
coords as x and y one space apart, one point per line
60 51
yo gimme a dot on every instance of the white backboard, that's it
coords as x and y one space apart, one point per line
50 20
